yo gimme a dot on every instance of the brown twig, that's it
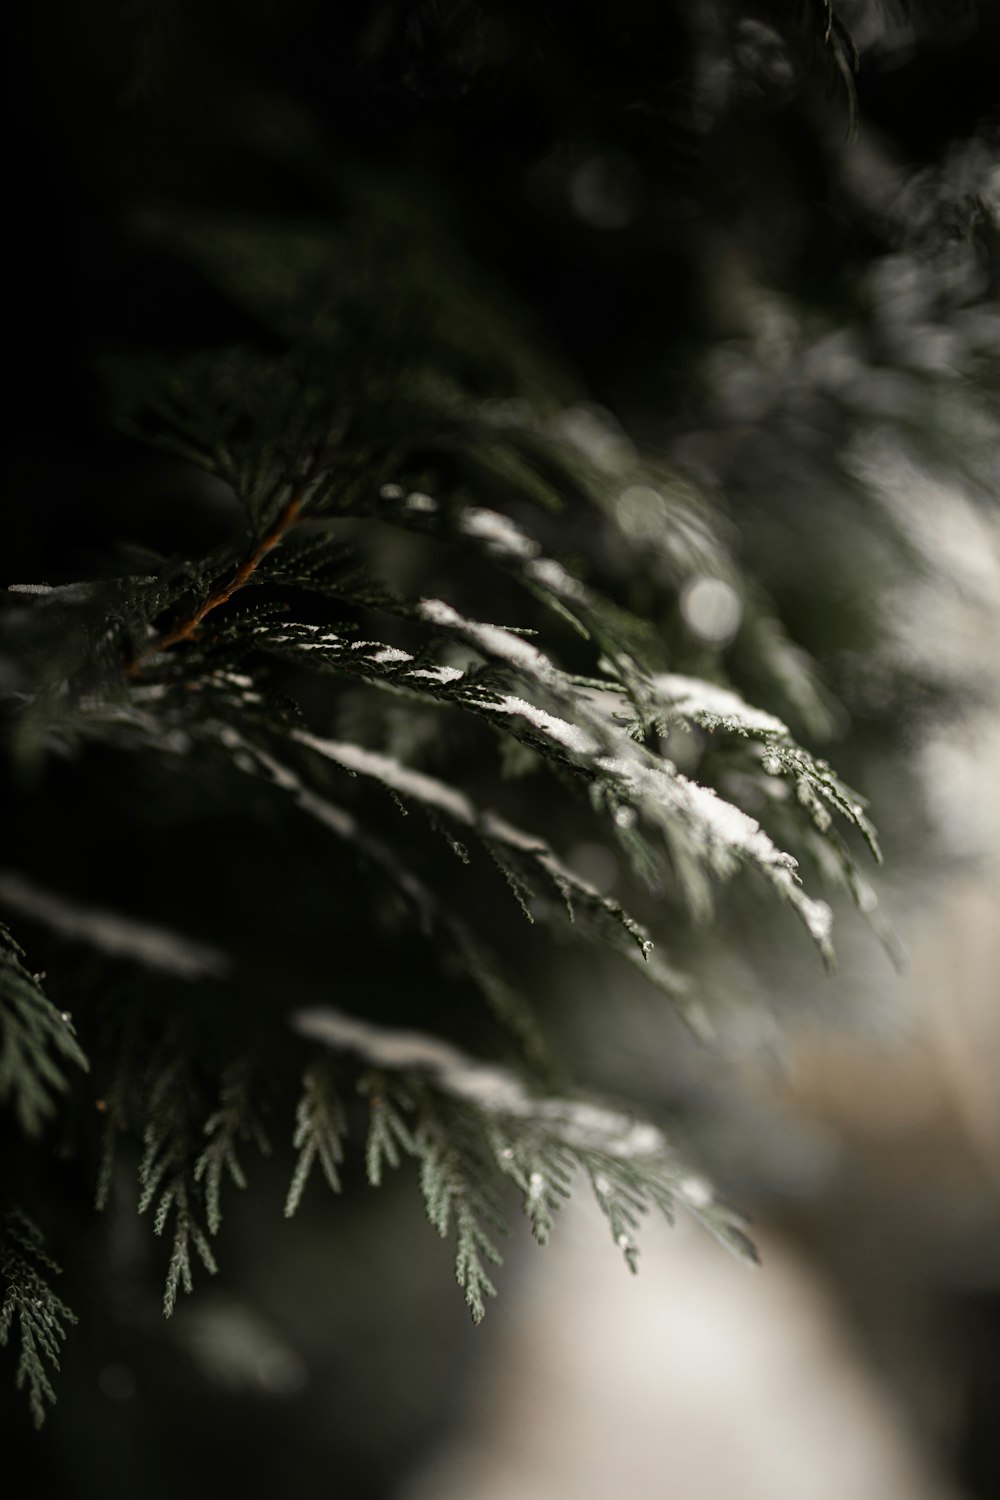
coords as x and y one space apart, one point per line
188 628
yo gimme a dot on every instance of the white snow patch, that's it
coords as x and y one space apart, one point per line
392 773
388 654
552 575
493 1089
445 799
818 917
730 824
65 593
437 674
693 696
493 640
325 639
569 735
499 532
721 823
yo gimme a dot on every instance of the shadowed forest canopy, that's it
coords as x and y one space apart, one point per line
471 484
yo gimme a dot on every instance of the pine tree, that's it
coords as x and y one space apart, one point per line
415 610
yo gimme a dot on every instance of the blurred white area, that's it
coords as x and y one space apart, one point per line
695 1380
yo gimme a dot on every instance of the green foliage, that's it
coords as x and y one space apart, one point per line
458 1192
389 1136
168 1174
319 1133
36 1041
234 1121
474 1129
31 1306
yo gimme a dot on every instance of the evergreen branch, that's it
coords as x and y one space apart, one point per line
166 1177
235 1120
389 1135
320 1126
435 921
35 1040
597 917
472 1117
112 932
655 519
455 1183
502 839
712 707
28 1297
621 1197
187 1236
541 1168
706 835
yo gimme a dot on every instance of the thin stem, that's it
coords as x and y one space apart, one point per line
188 628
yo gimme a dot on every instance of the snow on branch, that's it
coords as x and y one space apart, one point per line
112 932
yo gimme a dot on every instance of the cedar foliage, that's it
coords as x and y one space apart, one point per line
433 623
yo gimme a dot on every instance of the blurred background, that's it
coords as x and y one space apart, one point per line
780 276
